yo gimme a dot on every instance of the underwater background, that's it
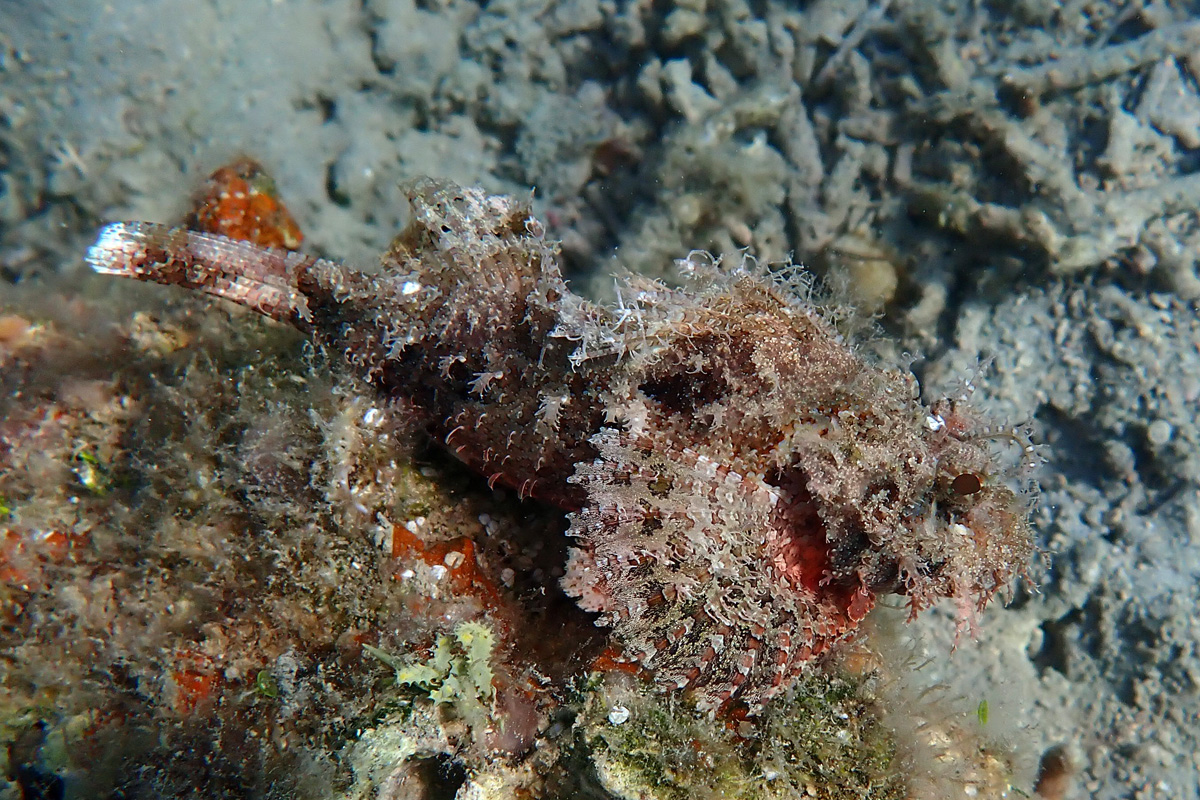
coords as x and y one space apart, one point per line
227 572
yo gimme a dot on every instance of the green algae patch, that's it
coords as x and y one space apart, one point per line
825 741
458 674
266 685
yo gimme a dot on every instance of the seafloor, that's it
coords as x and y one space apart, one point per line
203 525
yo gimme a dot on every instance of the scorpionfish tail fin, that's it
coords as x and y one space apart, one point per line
261 278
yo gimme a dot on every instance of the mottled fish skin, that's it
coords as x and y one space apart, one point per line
742 481
464 322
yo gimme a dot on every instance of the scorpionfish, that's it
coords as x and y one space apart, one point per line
742 482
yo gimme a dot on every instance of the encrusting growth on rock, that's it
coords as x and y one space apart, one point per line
240 201
742 483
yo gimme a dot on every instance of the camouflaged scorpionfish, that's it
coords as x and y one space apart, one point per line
742 484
